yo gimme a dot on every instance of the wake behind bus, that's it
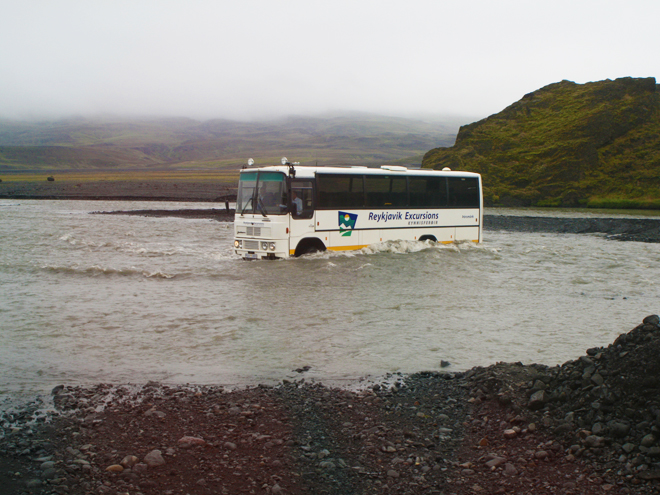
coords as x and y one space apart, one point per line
290 210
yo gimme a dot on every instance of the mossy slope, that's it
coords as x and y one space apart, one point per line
567 144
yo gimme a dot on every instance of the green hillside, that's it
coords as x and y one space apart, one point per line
567 144
185 144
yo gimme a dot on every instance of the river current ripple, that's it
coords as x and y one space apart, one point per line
126 299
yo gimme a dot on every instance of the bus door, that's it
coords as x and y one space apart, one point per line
301 203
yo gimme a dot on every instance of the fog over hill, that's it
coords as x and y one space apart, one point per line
172 143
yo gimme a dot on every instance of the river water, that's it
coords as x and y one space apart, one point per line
126 299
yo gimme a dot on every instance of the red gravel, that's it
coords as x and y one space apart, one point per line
421 434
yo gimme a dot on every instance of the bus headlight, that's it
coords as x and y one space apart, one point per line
238 244
264 246
271 246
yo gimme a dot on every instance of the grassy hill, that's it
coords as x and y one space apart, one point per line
567 144
184 144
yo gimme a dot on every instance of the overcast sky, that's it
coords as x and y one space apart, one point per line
250 59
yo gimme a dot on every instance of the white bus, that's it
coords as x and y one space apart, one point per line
289 210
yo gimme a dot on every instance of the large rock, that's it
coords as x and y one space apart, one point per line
129 461
648 440
538 400
188 441
154 458
618 429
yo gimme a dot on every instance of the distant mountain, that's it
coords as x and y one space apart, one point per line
567 144
151 144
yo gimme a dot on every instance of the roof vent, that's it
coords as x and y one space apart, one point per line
446 169
393 168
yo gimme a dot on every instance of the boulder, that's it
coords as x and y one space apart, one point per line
538 400
154 458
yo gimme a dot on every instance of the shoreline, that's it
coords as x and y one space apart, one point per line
589 426
207 191
215 191
155 199
620 229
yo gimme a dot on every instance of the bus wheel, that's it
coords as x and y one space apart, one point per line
308 246
428 238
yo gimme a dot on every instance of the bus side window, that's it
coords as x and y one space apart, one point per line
399 191
464 191
339 191
377 191
302 199
429 192
385 191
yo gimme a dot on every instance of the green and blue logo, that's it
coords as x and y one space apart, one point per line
346 223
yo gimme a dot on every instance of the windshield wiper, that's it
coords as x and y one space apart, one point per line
246 204
261 207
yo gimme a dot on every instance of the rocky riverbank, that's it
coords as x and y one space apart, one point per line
621 228
121 190
589 426
220 214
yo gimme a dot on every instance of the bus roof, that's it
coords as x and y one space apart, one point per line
308 172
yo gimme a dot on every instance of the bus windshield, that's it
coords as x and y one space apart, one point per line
262 193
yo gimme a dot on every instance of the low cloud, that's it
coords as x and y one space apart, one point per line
260 59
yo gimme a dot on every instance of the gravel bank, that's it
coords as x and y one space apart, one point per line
643 230
219 214
589 426
621 229
109 190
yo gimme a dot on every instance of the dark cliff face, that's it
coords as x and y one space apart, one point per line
567 144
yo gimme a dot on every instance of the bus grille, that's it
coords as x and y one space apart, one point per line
251 244
254 231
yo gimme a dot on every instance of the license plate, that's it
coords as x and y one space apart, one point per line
251 256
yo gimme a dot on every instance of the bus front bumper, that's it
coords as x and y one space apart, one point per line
252 249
